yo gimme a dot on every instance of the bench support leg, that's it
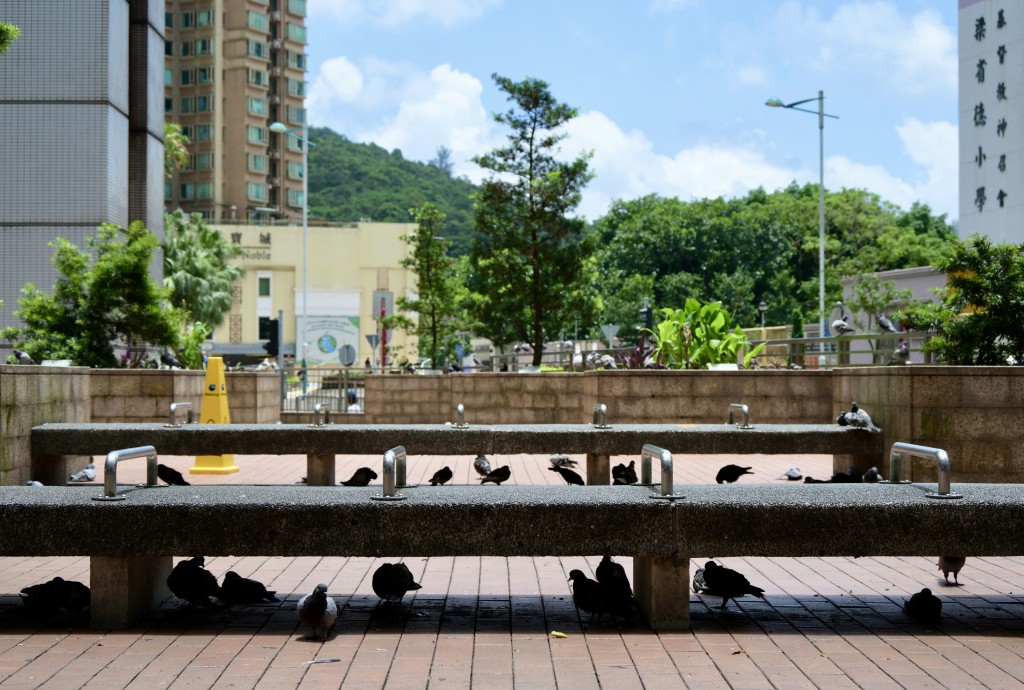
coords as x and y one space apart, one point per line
53 469
861 463
661 585
126 589
320 469
598 469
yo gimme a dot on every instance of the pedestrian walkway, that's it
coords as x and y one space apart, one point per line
489 622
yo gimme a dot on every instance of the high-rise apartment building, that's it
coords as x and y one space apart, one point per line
232 68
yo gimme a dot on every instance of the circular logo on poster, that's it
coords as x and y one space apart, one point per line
327 343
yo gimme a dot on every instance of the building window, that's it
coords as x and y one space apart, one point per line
186 48
168 190
258 77
296 60
200 161
295 115
203 104
188 191
168 105
255 135
293 143
257 21
296 33
203 46
169 20
204 75
264 286
204 18
188 77
256 191
168 76
204 190
204 133
297 7
256 106
295 198
186 106
296 87
258 49
260 164
294 170
168 47
188 20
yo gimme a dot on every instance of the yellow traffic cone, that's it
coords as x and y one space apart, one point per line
215 411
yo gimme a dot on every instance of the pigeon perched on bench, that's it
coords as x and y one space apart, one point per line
568 475
728 583
857 418
190 581
924 607
170 476
730 473
318 611
86 475
361 477
391 581
442 476
236 589
951 564
624 474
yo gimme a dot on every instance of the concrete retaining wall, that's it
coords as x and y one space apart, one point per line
253 397
142 395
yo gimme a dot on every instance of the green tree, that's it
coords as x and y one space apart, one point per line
875 297
981 317
97 301
175 148
438 289
443 160
8 35
698 335
197 267
532 261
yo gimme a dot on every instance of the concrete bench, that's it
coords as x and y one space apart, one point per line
51 442
131 542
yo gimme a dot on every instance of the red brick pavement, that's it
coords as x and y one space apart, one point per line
487 622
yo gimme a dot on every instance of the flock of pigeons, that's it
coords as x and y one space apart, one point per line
902 354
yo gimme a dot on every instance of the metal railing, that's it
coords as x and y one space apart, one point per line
304 388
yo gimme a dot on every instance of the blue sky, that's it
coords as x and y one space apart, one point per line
670 93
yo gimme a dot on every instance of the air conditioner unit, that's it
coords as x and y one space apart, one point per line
276 43
274 99
275 71
275 154
273 182
275 16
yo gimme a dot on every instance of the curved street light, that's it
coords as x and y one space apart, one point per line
820 112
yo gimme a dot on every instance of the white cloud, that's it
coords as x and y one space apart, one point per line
339 81
398 12
752 75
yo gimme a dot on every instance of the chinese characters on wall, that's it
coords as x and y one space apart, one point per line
999 92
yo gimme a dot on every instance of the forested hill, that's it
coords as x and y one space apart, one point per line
350 182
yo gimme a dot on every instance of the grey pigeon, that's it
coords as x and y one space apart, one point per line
170 475
391 581
872 476
561 460
318 611
499 475
190 581
924 607
794 474
442 476
615 588
951 564
840 327
568 475
861 419
700 585
886 324
901 355
586 594
730 473
236 589
482 465
33 482
171 361
23 357
86 475
728 583
624 474
361 477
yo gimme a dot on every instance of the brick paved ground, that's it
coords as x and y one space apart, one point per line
486 622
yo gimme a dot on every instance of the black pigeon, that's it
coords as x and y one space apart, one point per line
23 357
442 476
728 583
171 361
924 607
499 475
951 564
886 324
615 589
361 477
624 474
42 599
190 581
318 611
872 476
561 460
730 473
392 580
72 596
482 465
901 355
241 590
568 475
171 476
586 594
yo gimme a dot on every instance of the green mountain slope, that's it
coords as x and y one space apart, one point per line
350 182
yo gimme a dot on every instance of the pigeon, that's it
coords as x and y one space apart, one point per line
728 583
190 581
872 476
482 465
71 595
886 324
586 594
392 580
23 357
623 474
42 599
499 475
560 460
951 564
171 476
568 475
924 607
901 355
361 477
171 361
33 482
700 585
236 589
730 473
441 476
615 589
840 327
318 611
86 475
794 474
861 419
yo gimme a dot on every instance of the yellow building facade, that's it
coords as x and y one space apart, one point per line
348 264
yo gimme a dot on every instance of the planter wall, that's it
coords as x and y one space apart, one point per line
142 395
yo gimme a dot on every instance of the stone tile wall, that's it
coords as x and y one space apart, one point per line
142 395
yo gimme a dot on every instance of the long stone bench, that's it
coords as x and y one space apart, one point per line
51 442
131 542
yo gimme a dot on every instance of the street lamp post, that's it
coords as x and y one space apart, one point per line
284 129
820 112
762 307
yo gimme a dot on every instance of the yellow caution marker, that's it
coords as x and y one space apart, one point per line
215 411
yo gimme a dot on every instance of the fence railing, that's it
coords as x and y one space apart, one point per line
305 387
